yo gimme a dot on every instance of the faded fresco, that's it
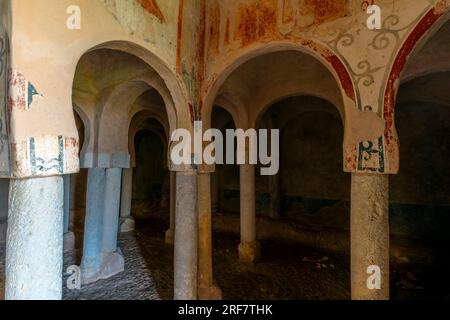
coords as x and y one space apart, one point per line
155 21
202 40
335 31
239 23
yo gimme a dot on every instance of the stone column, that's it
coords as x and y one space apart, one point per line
370 237
171 232
93 226
69 237
186 237
206 288
66 203
126 220
34 253
249 247
112 260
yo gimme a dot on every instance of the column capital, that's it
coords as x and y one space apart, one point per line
205 168
183 168
192 169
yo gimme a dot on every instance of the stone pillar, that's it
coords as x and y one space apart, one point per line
69 237
186 237
249 247
206 288
112 260
370 237
170 234
34 253
93 225
127 223
66 203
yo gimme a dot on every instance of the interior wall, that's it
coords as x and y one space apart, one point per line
420 193
311 170
150 174
315 190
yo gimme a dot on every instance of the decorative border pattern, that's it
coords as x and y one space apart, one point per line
21 92
45 156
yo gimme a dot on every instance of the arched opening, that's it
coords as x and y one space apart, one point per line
301 213
150 180
420 206
225 179
124 113
77 203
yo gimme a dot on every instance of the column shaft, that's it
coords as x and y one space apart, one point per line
127 193
127 223
369 236
173 186
205 232
111 211
186 237
34 256
93 225
67 190
248 249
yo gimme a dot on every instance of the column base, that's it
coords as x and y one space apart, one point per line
127 225
69 242
112 264
213 293
249 252
170 237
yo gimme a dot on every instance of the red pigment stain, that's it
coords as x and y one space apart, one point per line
248 27
152 7
214 28
201 57
267 19
192 113
71 143
325 10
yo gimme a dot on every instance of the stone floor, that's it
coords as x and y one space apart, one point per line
285 272
306 275
148 275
